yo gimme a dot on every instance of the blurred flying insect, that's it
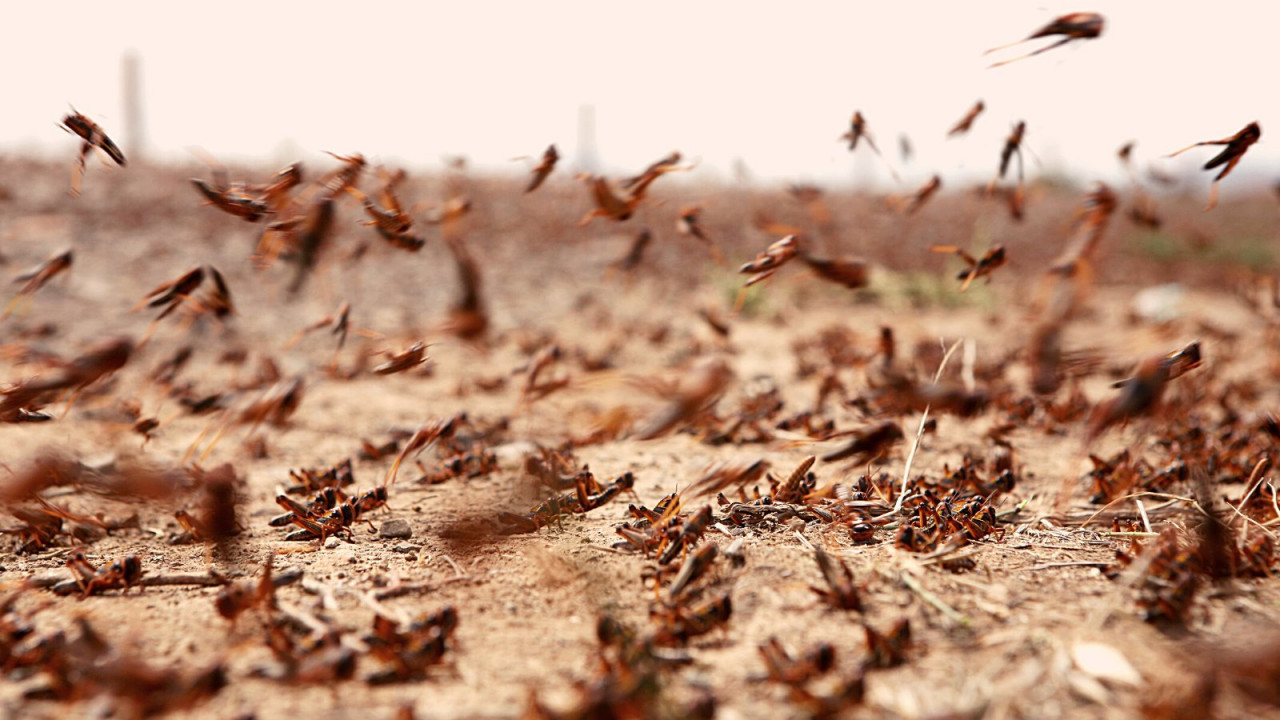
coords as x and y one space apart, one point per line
696 394
344 176
609 203
1236 145
275 405
1044 354
1142 211
233 201
468 319
909 204
850 272
425 436
847 271
92 136
767 263
619 203
1142 393
858 131
783 668
682 623
1073 26
1074 264
539 174
276 193
342 323
766 224
1125 154
1012 147
536 384
235 599
449 216
695 566
1142 208
1184 360
662 166
888 649
181 291
840 592
37 277
217 301
1178 363
388 217
98 362
966 122
248 202
404 360
216 519
689 223
869 444
307 237
172 294
722 475
305 221
982 267
635 254
1014 199
813 199
409 648
339 324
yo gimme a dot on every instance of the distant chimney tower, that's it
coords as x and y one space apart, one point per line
134 130
587 160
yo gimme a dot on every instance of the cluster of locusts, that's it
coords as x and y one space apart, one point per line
935 517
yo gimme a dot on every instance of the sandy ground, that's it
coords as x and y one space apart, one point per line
995 641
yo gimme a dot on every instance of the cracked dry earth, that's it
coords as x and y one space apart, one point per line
1029 626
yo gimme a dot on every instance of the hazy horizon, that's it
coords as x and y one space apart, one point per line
721 82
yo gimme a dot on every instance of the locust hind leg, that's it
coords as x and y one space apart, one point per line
77 169
1033 53
1213 197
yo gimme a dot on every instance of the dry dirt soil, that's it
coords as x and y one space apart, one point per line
1015 636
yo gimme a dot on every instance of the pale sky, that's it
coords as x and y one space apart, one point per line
771 83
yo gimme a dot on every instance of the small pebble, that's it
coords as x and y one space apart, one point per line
331 542
405 548
395 530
